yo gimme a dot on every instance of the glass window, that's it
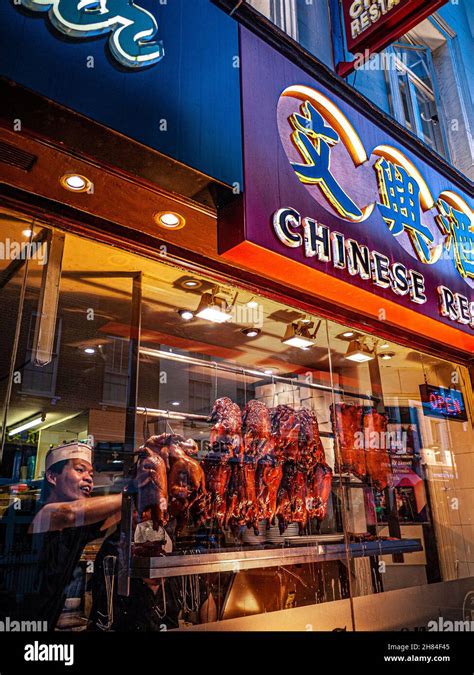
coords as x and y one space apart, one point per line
272 460
413 94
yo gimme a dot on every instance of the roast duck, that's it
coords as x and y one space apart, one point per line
183 475
261 465
225 444
378 459
306 482
360 436
152 487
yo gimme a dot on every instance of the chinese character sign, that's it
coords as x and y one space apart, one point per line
424 227
400 207
314 138
132 29
460 230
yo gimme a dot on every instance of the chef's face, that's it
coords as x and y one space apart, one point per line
74 482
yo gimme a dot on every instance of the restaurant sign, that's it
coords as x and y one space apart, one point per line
374 24
332 202
131 29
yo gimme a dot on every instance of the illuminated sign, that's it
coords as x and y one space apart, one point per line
336 206
442 402
376 23
132 41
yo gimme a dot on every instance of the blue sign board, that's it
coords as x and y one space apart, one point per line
163 72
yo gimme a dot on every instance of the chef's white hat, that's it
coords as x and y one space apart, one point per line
74 450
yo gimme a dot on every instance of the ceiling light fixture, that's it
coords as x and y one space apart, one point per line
74 182
252 304
359 352
89 350
348 334
212 308
385 345
268 372
298 334
169 220
175 403
27 424
387 355
186 314
27 233
251 332
191 283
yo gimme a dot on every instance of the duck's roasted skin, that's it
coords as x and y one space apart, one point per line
217 475
291 500
187 491
268 478
226 433
309 442
347 426
318 490
256 429
171 446
242 505
152 486
186 482
377 457
285 431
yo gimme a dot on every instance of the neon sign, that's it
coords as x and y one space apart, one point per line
132 40
442 402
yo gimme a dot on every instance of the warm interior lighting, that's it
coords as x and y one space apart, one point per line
170 220
212 308
27 233
348 334
186 314
28 424
298 334
359 352
251 332
192 283
387 355
89 350
75 182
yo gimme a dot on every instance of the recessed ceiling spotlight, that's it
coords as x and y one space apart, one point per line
89 350
169 220
74 182
192 283
251 332
175 403
387 355
349 335
186 314
27 233
385 345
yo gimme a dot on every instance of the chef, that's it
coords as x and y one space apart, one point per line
54 531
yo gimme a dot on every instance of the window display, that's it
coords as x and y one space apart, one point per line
265 458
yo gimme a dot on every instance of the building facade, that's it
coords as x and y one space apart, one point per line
238 232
